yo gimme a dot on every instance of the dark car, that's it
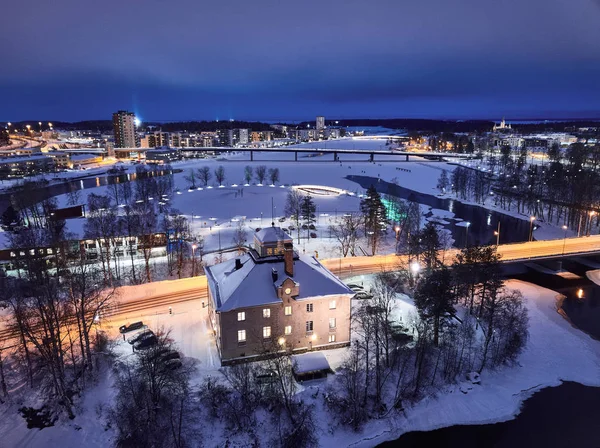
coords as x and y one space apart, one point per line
131 327
136 337
173 364
362 295
313 235
172 354
145 342
282 219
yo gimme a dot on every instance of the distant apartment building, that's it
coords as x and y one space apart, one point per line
261 136
124 130
222 138
273 297
238 137
24 165
320 123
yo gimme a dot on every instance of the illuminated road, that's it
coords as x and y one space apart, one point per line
129 308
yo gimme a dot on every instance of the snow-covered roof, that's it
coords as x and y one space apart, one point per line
252 284
310 362
272 235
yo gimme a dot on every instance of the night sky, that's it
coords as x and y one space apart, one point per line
291 60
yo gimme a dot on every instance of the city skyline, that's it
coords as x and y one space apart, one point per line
267 61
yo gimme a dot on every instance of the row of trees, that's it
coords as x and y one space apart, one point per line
564 189
202 176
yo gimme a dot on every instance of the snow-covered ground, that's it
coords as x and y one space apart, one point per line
555 352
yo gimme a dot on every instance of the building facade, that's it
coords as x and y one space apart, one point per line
320 123
273 298
124 130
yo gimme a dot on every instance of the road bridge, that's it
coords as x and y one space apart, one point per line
371 153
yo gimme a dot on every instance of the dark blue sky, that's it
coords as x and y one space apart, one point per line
278 59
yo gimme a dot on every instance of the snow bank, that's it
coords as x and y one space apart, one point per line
594 276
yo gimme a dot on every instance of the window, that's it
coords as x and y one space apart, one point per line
266 312
242 336
309 325
332 322
309 307
332 304
241 316
288 310
266 332
288 329
332 338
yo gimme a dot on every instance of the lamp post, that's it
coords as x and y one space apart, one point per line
531 219
194 246
565 238
467 225
397 229
497 233
589 226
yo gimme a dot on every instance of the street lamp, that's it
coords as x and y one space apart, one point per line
589 227
194 246
397 229
497 233
467 225
565 238
531 219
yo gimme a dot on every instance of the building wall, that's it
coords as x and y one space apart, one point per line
299 339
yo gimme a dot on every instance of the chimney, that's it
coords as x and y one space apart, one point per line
274 275
238 264
288 258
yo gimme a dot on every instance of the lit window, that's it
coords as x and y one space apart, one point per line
288 329
309 325
241 316
288 310
266 312
242 336
332 304
309 307
332 322
266 332
332 338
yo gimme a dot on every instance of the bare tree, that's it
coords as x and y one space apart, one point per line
220 174
274 175
261 173
248 174
345 232
293 208
191 179
240 237
204 175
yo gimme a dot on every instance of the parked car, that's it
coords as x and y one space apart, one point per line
131 327
292 228
354 286
173 364
136 337
362 295
258 229
304 227
282 219
146 342
313 235
169 355
312 227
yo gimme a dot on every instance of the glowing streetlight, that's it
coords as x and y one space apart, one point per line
565 238
281 341
415 267
467 225
397 229
531 219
